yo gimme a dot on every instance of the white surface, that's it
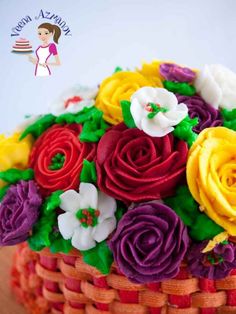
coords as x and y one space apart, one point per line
107 33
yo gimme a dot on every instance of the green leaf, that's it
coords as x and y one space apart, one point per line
128 119
184 130
52 202
229 118
120 211
58 244
118 69
88 173
201 227
180 88
14 175
3 191
94 128
40 237
100 257
39 126
204 228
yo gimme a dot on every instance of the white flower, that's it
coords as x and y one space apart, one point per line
75 224
156 111
217 86
74 100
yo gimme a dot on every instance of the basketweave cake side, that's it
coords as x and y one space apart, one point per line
122 198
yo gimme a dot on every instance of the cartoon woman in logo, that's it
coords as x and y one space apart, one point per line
43 52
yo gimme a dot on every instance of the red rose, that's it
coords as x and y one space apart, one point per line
134 167
57 158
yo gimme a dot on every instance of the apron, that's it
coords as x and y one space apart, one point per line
42 54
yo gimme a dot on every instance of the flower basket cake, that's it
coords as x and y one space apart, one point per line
122 198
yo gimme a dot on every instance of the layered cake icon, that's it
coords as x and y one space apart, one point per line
22 45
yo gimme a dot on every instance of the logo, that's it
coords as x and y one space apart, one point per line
46 55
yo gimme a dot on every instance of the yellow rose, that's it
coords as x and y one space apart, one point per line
14 153
119 86
152 73
211 175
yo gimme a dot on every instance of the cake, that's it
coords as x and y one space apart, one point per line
121 199
22 45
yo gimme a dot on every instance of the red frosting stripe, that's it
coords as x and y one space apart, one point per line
134 167
63 140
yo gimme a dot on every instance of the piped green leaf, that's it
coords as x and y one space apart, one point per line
128 119
100 257
201 227
40 237
39 126
52 202
14 175
88 173
180 88
184 130
229 118
118 69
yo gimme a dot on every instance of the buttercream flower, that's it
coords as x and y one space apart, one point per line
198 108
152 72
215 264
156 110
149 243
19 210
176 73
211 175
134 167
14 153
217 86
89 216
119 86
57 158
74 100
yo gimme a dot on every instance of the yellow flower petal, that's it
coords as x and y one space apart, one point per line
120 86
211 175
14 153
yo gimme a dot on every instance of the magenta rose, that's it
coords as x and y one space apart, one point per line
134 167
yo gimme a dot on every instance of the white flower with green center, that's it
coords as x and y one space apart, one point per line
74 100
156 111
89 217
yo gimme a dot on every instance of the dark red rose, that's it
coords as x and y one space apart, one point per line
57 158
134 167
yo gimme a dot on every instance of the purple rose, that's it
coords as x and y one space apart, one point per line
150 242
206 114
19 210
176 73
215 264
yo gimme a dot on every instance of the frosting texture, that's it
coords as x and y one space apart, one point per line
217 86
198 108
156 111
215 264
211 175
89 216
134 167
64 140
19 210
119 86
149 243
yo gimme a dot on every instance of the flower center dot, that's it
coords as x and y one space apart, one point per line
74 100
88 217
154 109
57 162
